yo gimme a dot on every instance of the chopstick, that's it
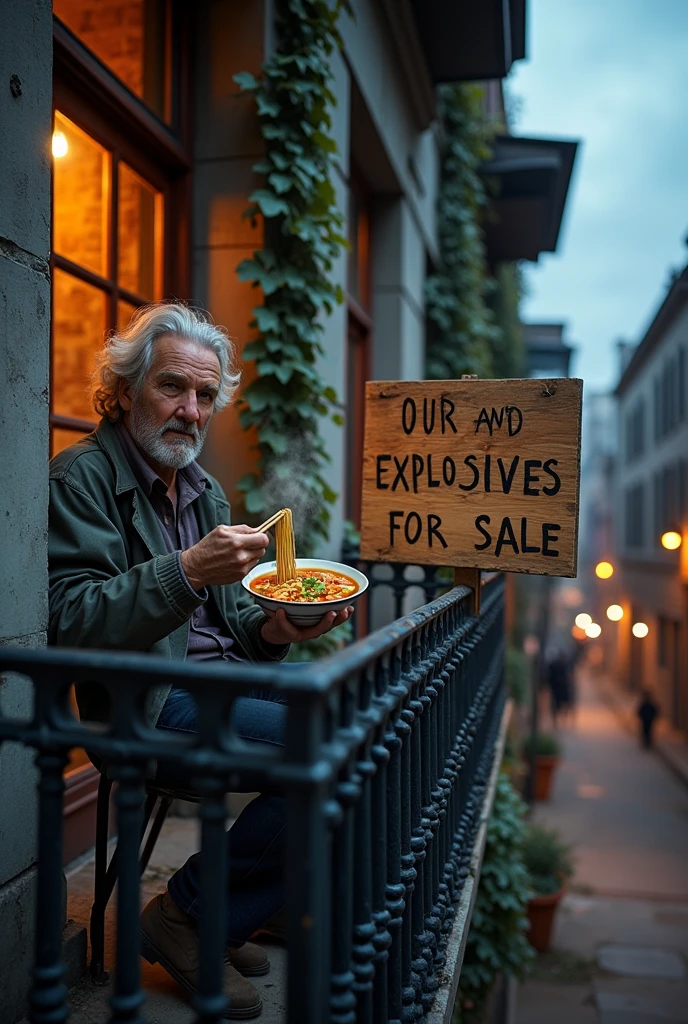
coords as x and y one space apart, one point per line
271 521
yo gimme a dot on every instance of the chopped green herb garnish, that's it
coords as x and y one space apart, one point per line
312 587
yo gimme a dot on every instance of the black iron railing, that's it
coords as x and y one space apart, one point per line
389 745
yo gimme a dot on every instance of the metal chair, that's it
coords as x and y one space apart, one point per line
106 874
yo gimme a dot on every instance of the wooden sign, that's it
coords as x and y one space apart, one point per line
477 473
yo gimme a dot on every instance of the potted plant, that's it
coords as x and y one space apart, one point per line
549 865
547 751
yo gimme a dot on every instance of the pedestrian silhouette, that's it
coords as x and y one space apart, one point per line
647 712
559 679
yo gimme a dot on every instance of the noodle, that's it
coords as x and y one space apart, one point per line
285 547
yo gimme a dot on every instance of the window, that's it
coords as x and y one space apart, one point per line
635 431
132 38
107 260
670 394
634 516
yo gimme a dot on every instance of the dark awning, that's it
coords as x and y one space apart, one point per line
528 180
471 40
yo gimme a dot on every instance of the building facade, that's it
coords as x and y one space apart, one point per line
651 498
153 146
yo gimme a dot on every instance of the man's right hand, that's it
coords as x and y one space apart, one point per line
225 555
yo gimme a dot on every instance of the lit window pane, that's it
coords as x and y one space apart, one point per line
129 37
139 235
80 193
125 311
79 325
61 438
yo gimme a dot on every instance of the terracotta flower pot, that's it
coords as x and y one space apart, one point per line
540 912
544 769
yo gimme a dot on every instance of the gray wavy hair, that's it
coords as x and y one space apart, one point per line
129 354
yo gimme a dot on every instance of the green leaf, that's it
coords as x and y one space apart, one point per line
280 182
270 205
255 500
248 482
245 80
266 319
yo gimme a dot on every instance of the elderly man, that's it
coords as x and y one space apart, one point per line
143 558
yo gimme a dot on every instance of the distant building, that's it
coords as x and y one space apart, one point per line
651 496
547 354
598 451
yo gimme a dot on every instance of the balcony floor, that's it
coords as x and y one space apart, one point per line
166 1003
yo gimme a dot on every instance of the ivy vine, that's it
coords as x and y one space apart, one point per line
302 240
472 317
497 937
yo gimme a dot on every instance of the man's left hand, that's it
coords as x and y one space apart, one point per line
279 630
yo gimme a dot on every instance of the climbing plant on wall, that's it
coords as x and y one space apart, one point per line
303 237
472 317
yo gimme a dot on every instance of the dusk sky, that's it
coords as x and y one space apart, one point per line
614 74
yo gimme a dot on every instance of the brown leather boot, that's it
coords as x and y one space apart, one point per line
249 959
169 937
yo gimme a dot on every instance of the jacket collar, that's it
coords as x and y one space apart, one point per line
106 437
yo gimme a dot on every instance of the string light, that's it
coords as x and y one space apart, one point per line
583 620
593 630
640 629
604 570
615 612
671 540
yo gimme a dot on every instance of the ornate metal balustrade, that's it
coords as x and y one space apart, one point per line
388 749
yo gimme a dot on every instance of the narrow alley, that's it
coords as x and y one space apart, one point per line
621 939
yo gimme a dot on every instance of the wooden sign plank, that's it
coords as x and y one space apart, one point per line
475 473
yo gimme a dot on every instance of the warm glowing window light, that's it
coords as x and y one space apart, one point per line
615 612
60 144
671 540
593 630
640 629
604 570
583 620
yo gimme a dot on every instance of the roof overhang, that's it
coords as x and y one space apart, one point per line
547 354
529 181
471 41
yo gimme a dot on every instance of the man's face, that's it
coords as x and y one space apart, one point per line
169 417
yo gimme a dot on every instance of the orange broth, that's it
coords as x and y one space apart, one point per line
310 586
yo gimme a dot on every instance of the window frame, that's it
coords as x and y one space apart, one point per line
92 97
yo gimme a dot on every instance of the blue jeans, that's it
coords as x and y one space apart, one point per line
255 865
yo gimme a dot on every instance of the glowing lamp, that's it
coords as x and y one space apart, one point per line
615 612
671 540
60 144
593 630
578 633
583 620
604 570
640 629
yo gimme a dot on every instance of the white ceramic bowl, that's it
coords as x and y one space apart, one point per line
306 613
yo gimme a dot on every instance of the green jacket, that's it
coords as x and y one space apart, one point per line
113 584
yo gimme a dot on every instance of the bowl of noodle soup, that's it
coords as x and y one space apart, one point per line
320 587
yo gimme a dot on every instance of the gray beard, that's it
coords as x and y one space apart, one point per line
173 452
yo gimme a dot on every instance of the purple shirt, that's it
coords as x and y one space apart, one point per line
207 635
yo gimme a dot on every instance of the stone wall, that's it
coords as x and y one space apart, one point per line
25 128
